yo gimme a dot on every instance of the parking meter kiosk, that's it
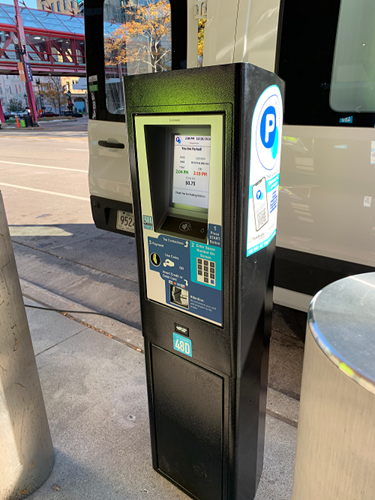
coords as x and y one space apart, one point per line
205 158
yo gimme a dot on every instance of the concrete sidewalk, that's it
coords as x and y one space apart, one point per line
94 388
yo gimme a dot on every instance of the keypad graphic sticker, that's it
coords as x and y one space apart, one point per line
206 272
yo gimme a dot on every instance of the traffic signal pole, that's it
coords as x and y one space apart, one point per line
2 119
24 58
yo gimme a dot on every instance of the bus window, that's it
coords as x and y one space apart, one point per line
137 39
123 37
308 49
353 75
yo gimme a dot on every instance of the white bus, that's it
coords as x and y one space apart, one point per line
323 50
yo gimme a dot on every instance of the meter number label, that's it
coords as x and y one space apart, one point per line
182 344
125 221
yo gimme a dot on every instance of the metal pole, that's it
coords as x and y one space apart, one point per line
2 119
26 451
37 83
26 64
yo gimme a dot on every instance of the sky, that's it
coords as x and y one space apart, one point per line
29 3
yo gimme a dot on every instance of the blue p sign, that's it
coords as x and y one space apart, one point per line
268 127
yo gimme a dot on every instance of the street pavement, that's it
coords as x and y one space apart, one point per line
95 395
65 262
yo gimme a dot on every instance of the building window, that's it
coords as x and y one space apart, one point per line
52 7
72 4
65 5
43 6
58 7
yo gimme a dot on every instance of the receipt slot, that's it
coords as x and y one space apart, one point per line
204 149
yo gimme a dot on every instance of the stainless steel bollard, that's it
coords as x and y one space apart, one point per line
26 451
336 431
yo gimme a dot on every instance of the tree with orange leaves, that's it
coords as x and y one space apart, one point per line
201 28
142 41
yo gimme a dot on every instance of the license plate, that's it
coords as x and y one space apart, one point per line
125 221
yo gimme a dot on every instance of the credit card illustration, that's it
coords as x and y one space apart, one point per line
260 203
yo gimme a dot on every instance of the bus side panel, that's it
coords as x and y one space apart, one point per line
109 172
326 204
257 33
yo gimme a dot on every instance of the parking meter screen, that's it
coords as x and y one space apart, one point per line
191 169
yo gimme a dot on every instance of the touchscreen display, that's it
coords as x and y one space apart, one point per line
191 169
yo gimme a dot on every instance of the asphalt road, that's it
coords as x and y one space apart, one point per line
44 184
44 174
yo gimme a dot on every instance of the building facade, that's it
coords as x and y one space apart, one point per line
62 6
11 87
78 89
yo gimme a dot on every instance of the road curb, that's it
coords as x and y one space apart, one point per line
283 407
21 129
112 328
280 406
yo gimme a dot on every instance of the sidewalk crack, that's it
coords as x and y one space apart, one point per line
58 343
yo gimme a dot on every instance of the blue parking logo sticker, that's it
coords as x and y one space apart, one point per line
266 134
268 127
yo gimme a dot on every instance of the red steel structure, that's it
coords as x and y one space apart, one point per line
55 42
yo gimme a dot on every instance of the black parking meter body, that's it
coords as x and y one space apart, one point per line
204 149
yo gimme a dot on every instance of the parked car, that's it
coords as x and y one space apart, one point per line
48 114
16 113
74 114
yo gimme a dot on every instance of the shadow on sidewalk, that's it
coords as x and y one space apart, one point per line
86 265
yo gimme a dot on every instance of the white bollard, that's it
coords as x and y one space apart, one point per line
26 451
